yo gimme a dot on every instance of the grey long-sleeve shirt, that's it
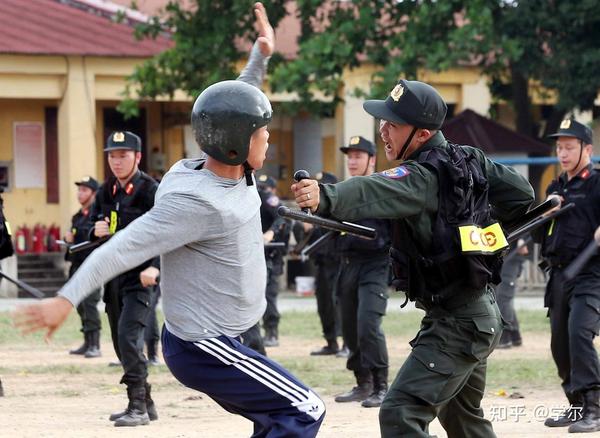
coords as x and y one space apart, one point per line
207 230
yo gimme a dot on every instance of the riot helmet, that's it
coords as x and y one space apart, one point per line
225 116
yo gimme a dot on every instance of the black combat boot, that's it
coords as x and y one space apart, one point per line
84 347
271 338
150 406
362 390
572 414
505 340
136 413
328 350
380 387
591 414
94 345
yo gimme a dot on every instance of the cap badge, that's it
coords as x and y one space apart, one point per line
354 140
397 92
262 178
118 137
565 124
85 179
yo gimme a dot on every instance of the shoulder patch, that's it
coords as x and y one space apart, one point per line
395 173
273 201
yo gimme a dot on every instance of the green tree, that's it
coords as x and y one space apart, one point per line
553 42
206 37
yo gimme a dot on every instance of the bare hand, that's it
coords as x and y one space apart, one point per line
48 314
560 201
266 35
268 236
148 276
101 228
307 193
69 237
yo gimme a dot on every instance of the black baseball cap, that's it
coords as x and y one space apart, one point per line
359 143
267 181
88 181
572 128
410 103
123 140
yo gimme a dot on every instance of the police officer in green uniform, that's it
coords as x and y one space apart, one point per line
122 198
80 229
437 188
574 305
362 289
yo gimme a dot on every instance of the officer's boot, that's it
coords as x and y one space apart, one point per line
150 406
84 347
136 413
380 387
330 349
591 414
94 345
362 390
153 353
271 337
570 415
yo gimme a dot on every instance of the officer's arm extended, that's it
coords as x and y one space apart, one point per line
405 192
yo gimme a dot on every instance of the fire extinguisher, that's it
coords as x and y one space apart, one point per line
53 236
20 241
39 239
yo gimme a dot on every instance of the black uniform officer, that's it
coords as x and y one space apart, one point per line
327 264
275 229
574 306
81 224
438 193
6 247
123 197
362 289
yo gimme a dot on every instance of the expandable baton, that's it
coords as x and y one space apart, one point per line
538 222
88 244
27 288
532 214
577 265
308 250
271 245
344 227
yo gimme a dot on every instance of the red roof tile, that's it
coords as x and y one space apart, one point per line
47 27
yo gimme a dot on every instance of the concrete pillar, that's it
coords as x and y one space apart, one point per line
76 134
477 97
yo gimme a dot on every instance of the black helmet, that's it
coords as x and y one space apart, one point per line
123 140
410 103
225 116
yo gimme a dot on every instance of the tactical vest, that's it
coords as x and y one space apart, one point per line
464 255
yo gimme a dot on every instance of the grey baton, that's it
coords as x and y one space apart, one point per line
579 262
344 227
27 288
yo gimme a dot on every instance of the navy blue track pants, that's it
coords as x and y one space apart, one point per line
247 383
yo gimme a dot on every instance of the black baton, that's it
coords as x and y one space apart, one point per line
577 265
88 244
29 289
532 214
344 227
538 222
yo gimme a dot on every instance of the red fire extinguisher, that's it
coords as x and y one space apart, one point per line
20 241
53 236
39 239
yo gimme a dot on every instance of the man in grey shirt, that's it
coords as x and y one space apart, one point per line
206 226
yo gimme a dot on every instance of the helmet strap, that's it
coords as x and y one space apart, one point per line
400 156
248 173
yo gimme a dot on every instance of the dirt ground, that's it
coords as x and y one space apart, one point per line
65 406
